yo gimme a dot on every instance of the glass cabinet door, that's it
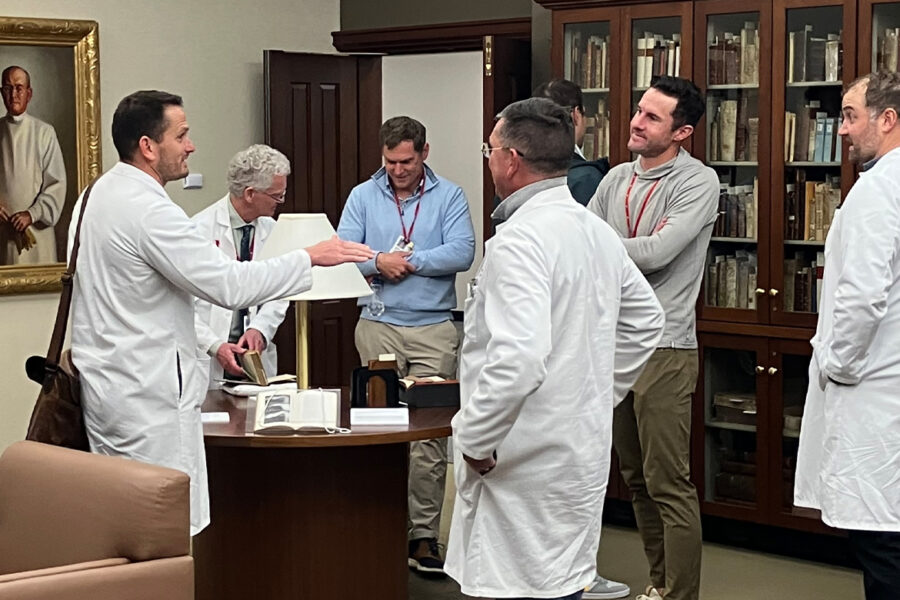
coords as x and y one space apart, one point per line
815 65
787 370
588 61
660 40
885 39
730 462
734 137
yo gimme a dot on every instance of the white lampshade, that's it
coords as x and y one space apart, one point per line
295 231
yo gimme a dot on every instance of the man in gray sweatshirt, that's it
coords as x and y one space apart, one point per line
664 205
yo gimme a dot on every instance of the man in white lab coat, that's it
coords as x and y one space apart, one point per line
140 264
559 323
239 224
849 460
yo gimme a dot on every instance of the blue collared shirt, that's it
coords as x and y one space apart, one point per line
443 245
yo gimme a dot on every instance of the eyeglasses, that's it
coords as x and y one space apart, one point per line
279 198
486 150
18 88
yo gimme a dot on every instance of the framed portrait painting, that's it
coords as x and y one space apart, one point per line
49 143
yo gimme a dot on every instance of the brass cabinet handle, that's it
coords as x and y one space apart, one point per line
773 292
760 291
760 369
772 370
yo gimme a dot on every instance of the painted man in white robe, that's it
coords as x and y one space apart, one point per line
32 177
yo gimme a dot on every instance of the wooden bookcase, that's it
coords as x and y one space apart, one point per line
754 348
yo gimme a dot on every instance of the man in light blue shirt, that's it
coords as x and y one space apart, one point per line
418 223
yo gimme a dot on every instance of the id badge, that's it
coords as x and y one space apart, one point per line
401 245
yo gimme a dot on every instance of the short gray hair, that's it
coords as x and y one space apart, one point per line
255 167
541 131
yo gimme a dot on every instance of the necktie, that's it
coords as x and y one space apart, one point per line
237 323
246 238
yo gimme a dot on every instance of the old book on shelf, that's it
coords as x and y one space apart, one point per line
727 130
751 284
790 271
297 411
749 53
815 59
833 50
819 155
753 139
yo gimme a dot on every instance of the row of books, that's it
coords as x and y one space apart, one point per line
887 49
809 207
737 211
596 137
734 57
733 131
812 58
656 55
589 60
803 282
731 280
810 135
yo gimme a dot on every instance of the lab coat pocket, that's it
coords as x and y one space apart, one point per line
468 482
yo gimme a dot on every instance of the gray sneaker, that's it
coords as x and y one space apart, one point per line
604 589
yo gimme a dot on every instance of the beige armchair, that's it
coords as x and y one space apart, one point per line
79 526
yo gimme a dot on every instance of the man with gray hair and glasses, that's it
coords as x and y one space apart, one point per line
559 323
239 224
849 457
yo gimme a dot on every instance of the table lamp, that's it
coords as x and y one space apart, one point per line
295 231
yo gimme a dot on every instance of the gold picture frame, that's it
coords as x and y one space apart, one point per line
81 36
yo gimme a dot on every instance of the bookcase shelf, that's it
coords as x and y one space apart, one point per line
732 426
804 243
595 90
733 240
742 54
812 84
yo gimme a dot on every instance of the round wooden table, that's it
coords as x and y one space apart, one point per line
307 516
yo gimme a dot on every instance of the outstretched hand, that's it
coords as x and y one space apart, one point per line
337 251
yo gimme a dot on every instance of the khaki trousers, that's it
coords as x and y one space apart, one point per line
420 351
652 435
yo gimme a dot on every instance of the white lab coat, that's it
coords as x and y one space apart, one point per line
849 460
557 329
141 263
213 322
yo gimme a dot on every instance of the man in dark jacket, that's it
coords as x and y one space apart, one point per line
584 175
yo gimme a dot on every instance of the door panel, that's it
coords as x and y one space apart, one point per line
315 116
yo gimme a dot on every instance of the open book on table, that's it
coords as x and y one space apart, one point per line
298 411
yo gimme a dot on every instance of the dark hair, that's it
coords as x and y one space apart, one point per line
139 114
541 131
562 91
882 91
397 130
690 107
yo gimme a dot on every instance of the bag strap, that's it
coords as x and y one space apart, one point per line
65 299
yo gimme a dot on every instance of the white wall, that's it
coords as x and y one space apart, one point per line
444 92
209 52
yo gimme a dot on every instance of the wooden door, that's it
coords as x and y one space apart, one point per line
323 112
507 78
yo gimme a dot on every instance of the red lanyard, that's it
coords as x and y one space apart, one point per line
408 236
633 232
